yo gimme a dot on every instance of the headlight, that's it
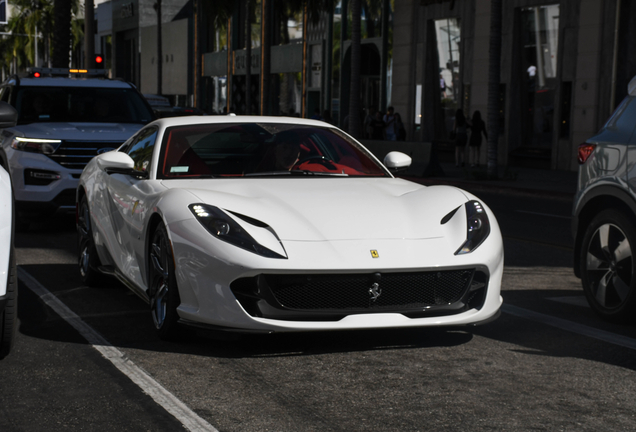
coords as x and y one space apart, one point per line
477 226
223 227
35 145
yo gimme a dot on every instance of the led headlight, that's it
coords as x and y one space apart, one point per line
36 145
477 226
223 227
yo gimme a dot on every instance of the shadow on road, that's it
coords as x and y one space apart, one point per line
124 320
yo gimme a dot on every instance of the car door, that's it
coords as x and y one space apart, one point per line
127 201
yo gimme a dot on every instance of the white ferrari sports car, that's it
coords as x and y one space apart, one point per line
273 224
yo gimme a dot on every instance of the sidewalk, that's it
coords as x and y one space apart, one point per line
512 180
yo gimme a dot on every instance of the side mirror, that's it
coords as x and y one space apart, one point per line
8 115
396 161
114 162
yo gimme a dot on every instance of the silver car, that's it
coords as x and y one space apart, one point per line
604 219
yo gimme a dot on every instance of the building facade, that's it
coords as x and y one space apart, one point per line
565 66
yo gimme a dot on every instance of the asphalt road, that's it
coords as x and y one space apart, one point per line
546 364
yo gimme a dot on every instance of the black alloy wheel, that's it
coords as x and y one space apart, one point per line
88 259
163 293
607 266
8 317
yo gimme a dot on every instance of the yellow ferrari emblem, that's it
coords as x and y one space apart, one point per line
134 207
374 253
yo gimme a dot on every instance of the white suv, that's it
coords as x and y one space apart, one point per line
604 220
62 123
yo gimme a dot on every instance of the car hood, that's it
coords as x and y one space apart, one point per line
79 131
332 208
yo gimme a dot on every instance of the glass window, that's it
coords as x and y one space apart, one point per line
5 94
448 34
81 104
540 41
262 149
141 150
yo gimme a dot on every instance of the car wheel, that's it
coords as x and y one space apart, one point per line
88 259
8 317
607 266
163 293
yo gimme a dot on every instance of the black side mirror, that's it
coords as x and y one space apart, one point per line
8 115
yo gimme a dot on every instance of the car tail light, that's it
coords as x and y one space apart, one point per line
585 151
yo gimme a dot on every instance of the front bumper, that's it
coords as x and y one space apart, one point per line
37 200
210 297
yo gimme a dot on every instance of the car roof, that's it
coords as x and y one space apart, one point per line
73 82
216 119
631 87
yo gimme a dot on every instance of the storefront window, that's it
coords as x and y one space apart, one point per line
290 94
540 39
219 94
448 34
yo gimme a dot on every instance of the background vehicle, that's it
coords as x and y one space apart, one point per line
8 276
604 222
63 122
162 108
272 224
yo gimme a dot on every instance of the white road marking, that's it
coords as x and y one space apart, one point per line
570 326
571 300
152 388
543 214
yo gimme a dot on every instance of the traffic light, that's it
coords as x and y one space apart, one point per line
99 61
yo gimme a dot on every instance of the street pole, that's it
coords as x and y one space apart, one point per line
89 34
248 59
159 50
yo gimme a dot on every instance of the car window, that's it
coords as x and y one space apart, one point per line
5 94
81 104
261 149
621 124
141 149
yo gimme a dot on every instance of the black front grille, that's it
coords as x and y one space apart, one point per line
76 154
356 291
333 296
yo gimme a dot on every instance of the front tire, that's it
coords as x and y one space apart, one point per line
88 260
163 293
608 266
8 317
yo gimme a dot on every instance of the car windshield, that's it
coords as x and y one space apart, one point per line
262 150
81 104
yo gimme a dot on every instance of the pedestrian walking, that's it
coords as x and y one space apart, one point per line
400 129
461 137
369 121
389 124
477 127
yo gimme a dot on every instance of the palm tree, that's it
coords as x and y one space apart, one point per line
493 86
354 84
29 17
62 11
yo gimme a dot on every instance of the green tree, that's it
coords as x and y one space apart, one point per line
29 18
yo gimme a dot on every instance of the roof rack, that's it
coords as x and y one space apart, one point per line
37 72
